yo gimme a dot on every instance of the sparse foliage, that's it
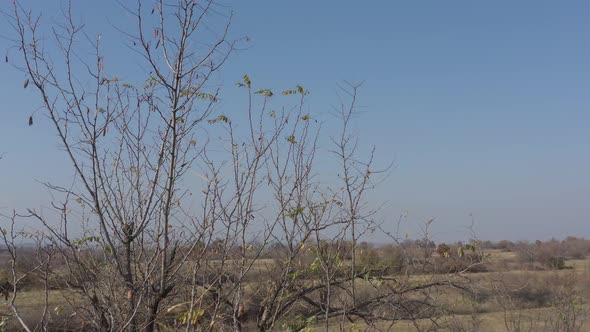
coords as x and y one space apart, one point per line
173 205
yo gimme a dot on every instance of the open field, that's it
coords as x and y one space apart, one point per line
510 296
532 320
155 178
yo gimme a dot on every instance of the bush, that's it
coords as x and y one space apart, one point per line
394 259
443 250
504 245
535 296
555 262
368 258
549 254
575 248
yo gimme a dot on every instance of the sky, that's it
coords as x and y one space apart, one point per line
483 107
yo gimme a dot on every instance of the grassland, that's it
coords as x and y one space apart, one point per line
510 297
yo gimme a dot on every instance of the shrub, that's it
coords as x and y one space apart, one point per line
368 257
535 296
504 245
575 248
443 250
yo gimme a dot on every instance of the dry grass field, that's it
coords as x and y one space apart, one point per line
510 296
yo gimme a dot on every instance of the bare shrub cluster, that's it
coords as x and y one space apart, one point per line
180 216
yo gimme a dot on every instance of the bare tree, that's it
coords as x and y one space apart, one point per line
38 267
130 147
173 204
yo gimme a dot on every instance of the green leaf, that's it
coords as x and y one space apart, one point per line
151 82
305 117
291 139
247 81
264 92
293 275
87 239
58 310
206 96
188 91
194 317
221 118
315 265
298 90
295 212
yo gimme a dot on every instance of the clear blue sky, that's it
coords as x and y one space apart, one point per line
483 106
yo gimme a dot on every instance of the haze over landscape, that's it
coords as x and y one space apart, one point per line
483 107
203 165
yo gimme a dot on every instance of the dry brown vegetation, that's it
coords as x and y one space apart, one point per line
503 291
180 217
